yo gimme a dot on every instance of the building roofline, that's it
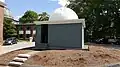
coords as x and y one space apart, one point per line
25 24
62 22
2 4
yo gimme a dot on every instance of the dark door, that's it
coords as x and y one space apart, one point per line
44 33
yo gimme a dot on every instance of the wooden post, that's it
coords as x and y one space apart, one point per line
24 32
31 29
18 28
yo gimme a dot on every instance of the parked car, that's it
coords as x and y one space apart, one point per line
115 41
92 40
99 41
108 41
102 41
10 41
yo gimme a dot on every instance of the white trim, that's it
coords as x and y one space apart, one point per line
28 32
83 38
21 32
34 32
62 22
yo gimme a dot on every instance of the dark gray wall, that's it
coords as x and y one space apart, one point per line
65 35
38 44
38 36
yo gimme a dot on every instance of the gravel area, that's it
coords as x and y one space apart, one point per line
97 56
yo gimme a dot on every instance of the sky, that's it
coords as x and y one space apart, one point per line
18 7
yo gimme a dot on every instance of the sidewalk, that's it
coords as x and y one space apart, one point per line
20 45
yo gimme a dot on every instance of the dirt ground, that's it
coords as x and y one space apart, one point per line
96 56
6 58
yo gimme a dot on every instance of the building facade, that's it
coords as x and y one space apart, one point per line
2 5
64 34
24 31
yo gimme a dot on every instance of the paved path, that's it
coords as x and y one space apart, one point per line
20 45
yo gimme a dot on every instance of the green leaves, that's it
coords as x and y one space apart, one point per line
43 17
9 28
29 17
102 16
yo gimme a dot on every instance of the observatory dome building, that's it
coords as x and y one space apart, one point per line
63 30
63 13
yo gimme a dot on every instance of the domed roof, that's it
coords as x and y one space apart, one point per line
2 0
63 13
7 13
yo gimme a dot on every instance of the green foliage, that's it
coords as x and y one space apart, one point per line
102 16
43 17
29 17
9 29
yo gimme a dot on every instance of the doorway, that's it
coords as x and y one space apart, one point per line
44 33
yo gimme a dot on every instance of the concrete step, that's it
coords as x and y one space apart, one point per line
16 64
24 56
18 59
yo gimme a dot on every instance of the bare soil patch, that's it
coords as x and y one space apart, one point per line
6 58
96 56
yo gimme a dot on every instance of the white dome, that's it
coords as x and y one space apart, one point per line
7 13
2 0
63 13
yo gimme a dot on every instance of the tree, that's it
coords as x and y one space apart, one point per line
9 29
102 16
29 17
43 17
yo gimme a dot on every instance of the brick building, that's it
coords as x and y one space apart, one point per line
24 31
2 5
